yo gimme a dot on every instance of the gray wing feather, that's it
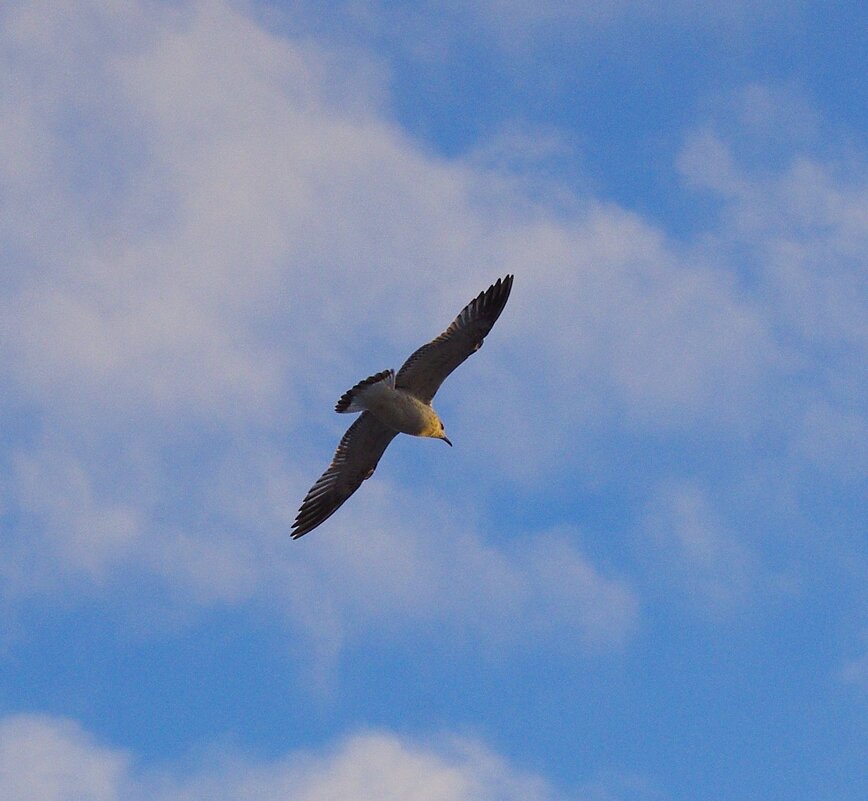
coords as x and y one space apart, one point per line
355 460
424 372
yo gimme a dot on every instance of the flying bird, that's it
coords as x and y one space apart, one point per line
391 404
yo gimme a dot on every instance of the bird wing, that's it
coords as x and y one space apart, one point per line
355 460
424 372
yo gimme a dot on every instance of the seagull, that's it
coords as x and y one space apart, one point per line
391 404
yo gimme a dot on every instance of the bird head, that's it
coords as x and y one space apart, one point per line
436 429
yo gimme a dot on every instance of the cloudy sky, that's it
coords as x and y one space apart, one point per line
639 575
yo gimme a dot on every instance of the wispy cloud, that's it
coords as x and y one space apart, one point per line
52 759
694 551
801 239
49 759
215 230
380 571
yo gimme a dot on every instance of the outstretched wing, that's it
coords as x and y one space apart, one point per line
424 372
355 460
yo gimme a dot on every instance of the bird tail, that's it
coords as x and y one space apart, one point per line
353 400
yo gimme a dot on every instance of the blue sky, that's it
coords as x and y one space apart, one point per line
639 575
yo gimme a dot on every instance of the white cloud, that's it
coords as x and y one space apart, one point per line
55 496
250 197
213 228
383 575
380 569
695 551
834 439
802 238
51 759
252 203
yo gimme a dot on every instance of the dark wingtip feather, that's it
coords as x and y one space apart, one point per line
492 301
308 519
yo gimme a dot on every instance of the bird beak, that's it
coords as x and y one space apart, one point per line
446 440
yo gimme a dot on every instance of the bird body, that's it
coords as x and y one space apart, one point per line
400 410
395 408
391 404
